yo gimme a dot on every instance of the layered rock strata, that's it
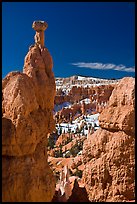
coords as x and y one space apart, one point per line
99 93
27 104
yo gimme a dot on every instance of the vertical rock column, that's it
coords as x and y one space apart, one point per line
39 27
28 101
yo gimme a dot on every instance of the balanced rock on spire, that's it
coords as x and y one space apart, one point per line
39 27
27 104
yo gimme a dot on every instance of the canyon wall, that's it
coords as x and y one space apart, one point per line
109 153
101 93
97 96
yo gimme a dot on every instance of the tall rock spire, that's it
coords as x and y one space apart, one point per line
39 27
27 103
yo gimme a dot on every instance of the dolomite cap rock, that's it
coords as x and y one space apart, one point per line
39 25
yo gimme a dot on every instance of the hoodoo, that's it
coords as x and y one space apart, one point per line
27 104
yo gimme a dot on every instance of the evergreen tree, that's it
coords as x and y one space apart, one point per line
51 142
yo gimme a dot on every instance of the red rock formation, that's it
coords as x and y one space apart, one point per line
120 113
108 154
62 139
59 99
77 161
99 96
79 194
67 114
28 101
101 93
83 108
78 93
73 143
69 189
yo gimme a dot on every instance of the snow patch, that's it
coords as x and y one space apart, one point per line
62 105
89 120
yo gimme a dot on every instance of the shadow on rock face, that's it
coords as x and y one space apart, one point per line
79 194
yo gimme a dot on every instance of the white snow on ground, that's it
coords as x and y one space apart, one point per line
81 78
86 100
81 81
68 104
66 84
86 120
89 78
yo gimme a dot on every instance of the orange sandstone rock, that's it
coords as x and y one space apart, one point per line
27 103
39 27
120 113
109 153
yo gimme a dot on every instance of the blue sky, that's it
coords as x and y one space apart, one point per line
84 38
